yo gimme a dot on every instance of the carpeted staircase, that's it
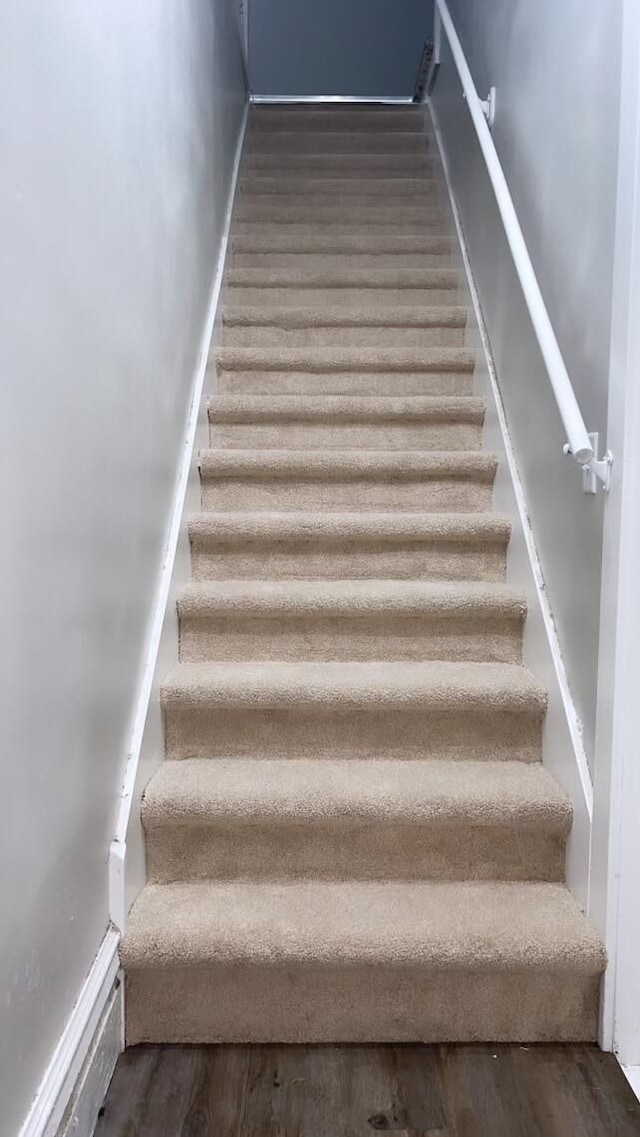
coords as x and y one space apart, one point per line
353 837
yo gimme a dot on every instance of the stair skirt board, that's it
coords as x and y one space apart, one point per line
352 837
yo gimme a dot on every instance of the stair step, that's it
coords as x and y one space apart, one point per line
296 259
309 546
432 224
277 118
358 215
276 480
330 142
337 202
341 165
262 819
360 962
336 371
338 422
461 711
367 327
264 185
345 285
350 620
344 276
281 240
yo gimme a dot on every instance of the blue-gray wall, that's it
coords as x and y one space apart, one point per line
336 47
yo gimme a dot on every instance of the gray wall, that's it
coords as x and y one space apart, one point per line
556 68
336 47
117 139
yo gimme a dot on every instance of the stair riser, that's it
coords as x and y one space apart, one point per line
333 560
344 383
286 143
297 297
345 636
446 495
339 202
343 850
360 731
301 211
304 185
273 119
308 234
366 1003
347 167
318 262
261 335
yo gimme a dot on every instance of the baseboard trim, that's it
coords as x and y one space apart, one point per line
632 1074
148 687
79 1035
573 774
382 100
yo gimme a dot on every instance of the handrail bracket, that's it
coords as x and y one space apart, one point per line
596 469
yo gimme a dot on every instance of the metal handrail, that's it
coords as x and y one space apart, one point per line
579 442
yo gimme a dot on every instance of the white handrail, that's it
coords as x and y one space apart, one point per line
579 443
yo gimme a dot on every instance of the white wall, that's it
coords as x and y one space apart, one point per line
117 136
556 72
358 47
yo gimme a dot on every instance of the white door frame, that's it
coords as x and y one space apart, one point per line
614 895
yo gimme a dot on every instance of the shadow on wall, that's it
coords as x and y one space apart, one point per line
358 48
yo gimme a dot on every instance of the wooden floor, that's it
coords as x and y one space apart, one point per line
356 1091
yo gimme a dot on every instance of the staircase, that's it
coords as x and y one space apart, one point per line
353 837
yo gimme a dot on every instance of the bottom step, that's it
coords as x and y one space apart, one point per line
365 962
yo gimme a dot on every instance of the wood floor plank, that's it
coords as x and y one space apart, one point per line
358 1091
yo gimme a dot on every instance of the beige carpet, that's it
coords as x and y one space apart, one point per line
353 837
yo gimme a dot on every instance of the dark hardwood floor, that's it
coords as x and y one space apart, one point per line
356 1091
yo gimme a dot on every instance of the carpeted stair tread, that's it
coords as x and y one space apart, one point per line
343 278
366 359
341 165
457 600
337 546
350 620
263 184
483 794
339 408
432 924
335 479
439 685
275 212
339 196
234 380
274 119
286 142
407 317
404 527
348 464
283 241
431 224
375 819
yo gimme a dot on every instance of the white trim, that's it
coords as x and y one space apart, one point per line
632 1074
117 857
56 1088
614 893
390 100
563 746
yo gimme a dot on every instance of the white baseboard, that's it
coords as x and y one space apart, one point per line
563 746
632 1074
85 1032
146 747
